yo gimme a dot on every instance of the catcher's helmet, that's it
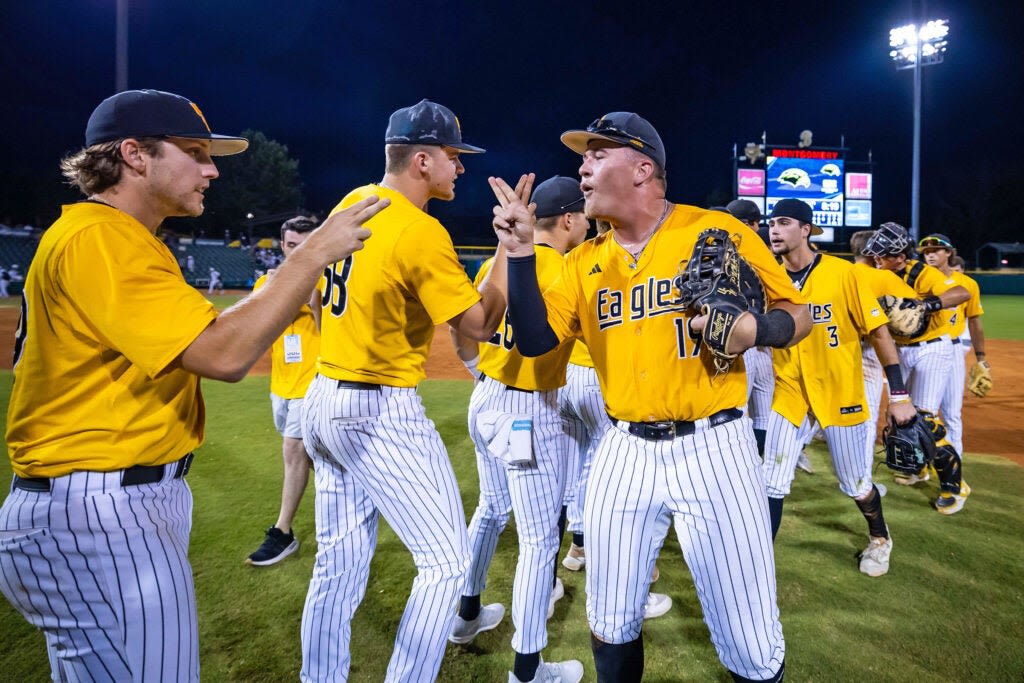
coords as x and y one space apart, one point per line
889 240
911 446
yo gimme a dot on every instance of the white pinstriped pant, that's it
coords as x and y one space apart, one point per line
852 454
376 453
533 492
874 379
103 570
583 411
926 372
952 403
760 384
710 484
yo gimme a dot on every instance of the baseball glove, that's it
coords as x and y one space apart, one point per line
719 283
979 378
911 446
907 317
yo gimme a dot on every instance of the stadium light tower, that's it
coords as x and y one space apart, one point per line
915 47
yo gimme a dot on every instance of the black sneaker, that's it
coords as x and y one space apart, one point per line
276 546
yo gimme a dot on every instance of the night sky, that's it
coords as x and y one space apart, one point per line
322 78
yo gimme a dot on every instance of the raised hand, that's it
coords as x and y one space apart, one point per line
343 233
514 221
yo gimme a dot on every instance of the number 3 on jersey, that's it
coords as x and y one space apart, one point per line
336 290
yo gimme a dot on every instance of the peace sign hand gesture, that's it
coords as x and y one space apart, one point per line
514 221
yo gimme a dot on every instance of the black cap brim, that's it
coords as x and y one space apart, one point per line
464 148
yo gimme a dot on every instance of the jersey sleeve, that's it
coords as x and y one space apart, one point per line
561 297
973 306
933 281
431 269
862 304
123 287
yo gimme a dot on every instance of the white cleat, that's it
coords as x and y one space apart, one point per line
657 605
874 560
575 559
804 463
556 594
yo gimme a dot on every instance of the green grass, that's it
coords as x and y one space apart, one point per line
1004 316
951 607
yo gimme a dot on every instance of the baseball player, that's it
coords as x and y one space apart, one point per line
821 377
106 406
521 454
680 448
938 251
215 282
293 365
925 359
880 283
757 360
375 453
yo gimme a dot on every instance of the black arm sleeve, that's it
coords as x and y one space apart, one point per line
526 310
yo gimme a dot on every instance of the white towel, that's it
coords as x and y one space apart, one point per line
509 436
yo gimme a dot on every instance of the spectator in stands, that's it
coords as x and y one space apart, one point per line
5 279
190 263
215 282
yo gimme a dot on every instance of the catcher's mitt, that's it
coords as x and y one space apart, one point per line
907 317
979 378
719 283
911 446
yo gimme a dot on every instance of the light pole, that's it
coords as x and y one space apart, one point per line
914 47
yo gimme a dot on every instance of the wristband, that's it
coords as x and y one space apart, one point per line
932 304
775 328
899 397
895 379
471 364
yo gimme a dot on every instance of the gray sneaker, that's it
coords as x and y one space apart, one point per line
464 631
557 593
874 560
570 671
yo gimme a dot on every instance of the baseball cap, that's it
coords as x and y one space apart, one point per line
744 210
889 240
623 128
557 195
155 113
427 123
936 240
796 209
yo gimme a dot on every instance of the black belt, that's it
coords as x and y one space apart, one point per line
922 343
666 431
955 341
361 386
132 476
507 387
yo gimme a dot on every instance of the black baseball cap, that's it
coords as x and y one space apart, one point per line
796 209
427 123
744 210
623 128
155 113
557 195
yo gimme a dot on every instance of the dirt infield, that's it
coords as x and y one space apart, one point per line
990 423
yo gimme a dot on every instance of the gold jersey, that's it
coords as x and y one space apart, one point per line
581 355
293 354
881 282
823 373
380 305
105 313
626 312
499 357
957 317
928 281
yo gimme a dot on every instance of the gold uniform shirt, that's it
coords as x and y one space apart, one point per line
581 355
823 373
929 282
381 304
499 357
881 282
290 380
105 312
648 366
957 317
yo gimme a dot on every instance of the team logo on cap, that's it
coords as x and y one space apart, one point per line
200 115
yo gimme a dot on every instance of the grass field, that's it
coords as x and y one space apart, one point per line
951 607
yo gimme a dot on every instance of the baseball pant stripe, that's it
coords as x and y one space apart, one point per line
926 371
398 467
710 485
848 446
533 492
873 380
953 399
760 384
117 604
586 417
